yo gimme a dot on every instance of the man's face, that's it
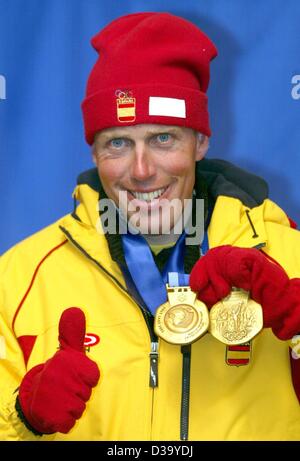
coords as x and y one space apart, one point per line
143 168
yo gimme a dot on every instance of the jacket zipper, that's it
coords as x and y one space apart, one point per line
185 393
153 355
153 381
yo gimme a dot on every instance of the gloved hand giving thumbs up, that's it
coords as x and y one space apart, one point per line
53 395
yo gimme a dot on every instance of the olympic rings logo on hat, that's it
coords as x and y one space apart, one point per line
121 94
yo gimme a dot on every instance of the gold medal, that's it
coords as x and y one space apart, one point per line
236 319
183 318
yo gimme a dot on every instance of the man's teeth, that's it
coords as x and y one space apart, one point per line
148 196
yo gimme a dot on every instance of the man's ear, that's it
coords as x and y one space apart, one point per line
202 146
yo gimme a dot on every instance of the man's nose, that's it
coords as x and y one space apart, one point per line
143 167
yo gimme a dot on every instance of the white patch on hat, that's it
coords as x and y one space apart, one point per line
2 348
167 107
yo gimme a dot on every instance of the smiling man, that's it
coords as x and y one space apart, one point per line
113 324
149 172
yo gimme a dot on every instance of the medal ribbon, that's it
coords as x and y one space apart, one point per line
149 282
204 245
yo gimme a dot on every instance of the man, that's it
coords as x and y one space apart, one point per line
101 336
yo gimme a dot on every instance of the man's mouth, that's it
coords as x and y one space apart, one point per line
148 196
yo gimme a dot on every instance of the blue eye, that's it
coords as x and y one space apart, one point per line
163 137
117 143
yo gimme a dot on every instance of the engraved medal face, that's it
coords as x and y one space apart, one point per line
236 319
181 323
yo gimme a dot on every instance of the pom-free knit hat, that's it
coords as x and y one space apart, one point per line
152 68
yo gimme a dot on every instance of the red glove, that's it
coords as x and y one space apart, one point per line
53 395
226 266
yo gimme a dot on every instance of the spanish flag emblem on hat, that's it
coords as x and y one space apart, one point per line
125 106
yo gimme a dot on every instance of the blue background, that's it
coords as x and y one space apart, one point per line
45 57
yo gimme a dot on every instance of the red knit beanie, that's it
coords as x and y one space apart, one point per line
152 68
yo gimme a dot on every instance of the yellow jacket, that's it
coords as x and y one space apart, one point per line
69 264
